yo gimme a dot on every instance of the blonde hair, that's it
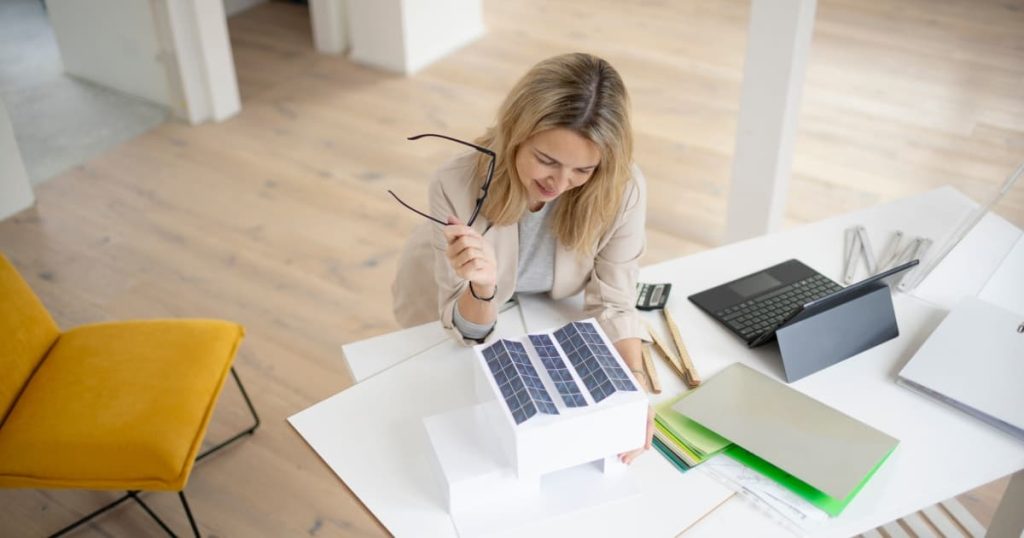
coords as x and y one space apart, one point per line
579 92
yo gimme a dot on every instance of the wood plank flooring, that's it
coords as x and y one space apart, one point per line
279 217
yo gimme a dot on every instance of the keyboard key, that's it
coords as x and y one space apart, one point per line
752 318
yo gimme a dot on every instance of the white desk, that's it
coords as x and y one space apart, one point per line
371 436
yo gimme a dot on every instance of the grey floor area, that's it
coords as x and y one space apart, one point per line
59 121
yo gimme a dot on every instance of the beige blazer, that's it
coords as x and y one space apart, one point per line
426 288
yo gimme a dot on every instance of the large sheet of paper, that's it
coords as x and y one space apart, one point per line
372 436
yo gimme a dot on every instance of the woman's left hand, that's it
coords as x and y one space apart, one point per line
628 457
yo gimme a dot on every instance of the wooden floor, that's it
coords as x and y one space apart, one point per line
279 217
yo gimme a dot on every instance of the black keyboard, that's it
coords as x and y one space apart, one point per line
763 313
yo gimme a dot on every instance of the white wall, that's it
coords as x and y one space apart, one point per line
435 28
112 43
405 36
375 33
174 53
15 190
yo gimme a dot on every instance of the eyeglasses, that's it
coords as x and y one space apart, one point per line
484 189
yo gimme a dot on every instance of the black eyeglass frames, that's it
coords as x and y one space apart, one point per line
484 189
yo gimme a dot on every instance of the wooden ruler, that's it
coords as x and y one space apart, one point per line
690 372
652 375
667 352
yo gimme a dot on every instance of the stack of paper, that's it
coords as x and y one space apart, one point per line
821 454
684 442
778 502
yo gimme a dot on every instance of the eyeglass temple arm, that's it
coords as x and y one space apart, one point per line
486 187
463 142
414 210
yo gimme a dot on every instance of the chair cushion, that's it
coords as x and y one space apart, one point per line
118 406
26 333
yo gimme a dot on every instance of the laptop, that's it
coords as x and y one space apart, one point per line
973 362
754 307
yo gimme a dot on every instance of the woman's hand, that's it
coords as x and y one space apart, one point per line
471 257
628 457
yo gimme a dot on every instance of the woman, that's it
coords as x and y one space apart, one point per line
564 212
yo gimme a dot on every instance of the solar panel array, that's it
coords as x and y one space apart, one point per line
593 361
517 379
557 370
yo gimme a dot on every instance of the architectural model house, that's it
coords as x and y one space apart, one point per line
560 399
549 401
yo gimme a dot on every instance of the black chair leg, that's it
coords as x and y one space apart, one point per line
191 521
248 431
99 511
134 495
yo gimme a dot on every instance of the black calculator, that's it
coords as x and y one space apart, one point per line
652 296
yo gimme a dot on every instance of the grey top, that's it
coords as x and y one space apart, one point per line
536 270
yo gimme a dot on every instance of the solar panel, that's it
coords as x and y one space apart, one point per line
557 370
517 380
593 361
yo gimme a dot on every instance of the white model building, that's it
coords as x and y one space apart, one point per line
550 401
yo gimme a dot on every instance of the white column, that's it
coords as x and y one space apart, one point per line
330 33
405 36
778 43
15 189
203 69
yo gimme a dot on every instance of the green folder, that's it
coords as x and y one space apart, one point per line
818 452
830 505
680 448
669 455
696 439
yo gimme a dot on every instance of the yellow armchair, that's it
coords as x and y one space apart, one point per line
120 405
